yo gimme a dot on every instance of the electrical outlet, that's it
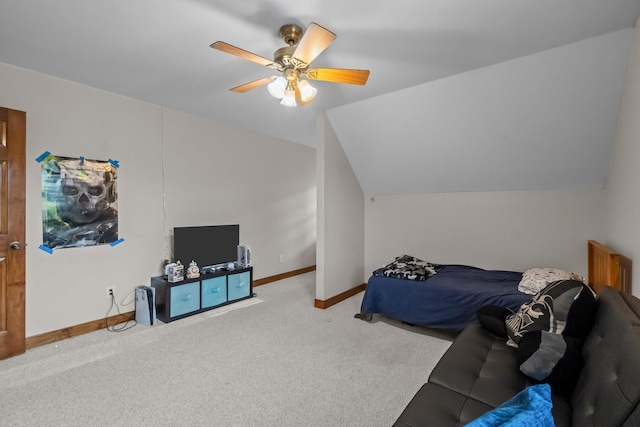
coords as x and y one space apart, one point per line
281 259
111 290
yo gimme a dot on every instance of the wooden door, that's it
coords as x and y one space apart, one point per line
12 232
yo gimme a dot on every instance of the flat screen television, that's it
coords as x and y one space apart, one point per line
207 245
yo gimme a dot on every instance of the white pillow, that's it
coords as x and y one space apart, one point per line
536 279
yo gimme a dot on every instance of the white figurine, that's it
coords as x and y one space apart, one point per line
193 271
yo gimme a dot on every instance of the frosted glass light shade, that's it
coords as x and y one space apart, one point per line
289 98
276 87
307 92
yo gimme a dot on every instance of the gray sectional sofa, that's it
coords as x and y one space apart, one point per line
479 372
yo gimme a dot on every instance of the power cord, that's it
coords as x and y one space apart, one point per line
125 325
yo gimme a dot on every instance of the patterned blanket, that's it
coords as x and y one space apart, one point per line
409 267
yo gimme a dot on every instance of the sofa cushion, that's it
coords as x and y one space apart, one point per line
530 407
560 303
434 405
480 366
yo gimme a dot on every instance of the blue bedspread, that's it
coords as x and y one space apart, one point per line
448 300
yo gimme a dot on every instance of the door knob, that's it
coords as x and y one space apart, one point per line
15 245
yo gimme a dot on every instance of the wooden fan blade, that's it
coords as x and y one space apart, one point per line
233 50
251 85
338 75
313 42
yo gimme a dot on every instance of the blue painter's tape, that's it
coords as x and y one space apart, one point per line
46 249
115 163
43 156
117 242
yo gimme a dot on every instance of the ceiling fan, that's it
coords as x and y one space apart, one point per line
293 62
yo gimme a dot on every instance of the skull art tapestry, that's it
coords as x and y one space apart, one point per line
79 202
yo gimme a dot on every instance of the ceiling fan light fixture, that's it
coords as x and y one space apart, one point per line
307 92
293 61
277 87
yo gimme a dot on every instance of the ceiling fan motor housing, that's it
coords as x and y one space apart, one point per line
283 56
291 34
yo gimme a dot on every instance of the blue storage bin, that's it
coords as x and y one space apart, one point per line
185 298
239 285
214 291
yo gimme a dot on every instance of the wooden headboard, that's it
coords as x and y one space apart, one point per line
607 268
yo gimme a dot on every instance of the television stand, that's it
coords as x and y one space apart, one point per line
176 300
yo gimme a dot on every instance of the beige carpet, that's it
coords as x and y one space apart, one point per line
273 360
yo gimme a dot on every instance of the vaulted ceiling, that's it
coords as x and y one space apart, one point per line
464 95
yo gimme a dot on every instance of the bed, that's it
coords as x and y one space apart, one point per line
450 298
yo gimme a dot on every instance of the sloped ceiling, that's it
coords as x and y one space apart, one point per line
544 121
478 88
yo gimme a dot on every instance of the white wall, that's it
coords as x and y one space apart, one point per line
505 230
227 175
212 173
623 179
340 257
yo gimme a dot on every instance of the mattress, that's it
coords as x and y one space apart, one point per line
447 300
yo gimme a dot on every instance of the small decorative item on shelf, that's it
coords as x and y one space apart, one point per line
193 271
231 266
175 272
